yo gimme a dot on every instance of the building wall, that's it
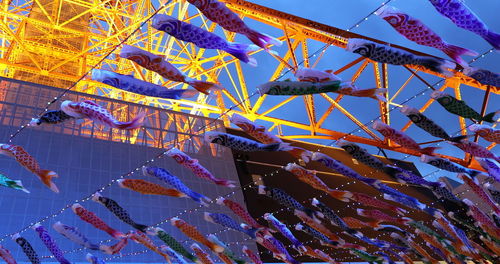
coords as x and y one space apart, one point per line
87 157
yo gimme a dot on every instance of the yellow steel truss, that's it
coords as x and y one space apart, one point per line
55 42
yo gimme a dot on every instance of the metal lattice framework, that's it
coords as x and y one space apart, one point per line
55 42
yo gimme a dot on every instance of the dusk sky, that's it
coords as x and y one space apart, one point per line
345 14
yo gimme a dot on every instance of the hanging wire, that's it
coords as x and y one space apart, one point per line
230 109
65 91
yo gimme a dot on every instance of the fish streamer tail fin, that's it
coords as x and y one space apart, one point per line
251 231
225 183
142 228
343 196
133 124
304 154
279 146
455 52
490 118
494 39
116 248
374 93
438 65
199 198
204 87
261 39
173 193
240 51
429 150
19 185
458 139
115 233
215 248
46 177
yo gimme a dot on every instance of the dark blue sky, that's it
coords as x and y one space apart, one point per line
344 14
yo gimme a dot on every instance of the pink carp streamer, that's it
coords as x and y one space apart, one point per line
197 169
93 111
263 136
401 138
416 31
158 64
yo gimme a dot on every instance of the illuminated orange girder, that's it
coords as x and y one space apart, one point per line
54 42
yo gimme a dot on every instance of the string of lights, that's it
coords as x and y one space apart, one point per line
218 117
65 91
277 171
87 198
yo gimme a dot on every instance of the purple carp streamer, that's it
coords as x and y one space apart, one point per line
483 76
50 243
175 182
230 21
385 54
476 150
283 229
227 221
416 31
133 85
491 167
73 234
202 38
464 17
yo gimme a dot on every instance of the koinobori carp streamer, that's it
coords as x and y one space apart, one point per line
14 184
197 169
95 221
50 243
27 248
30 163
460 108
93 111
483 76
230 21
175 182
158 64
415 30
202 38
458 12
241 143
118 211
133 85
390 55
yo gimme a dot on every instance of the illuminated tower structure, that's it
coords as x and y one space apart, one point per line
55 42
